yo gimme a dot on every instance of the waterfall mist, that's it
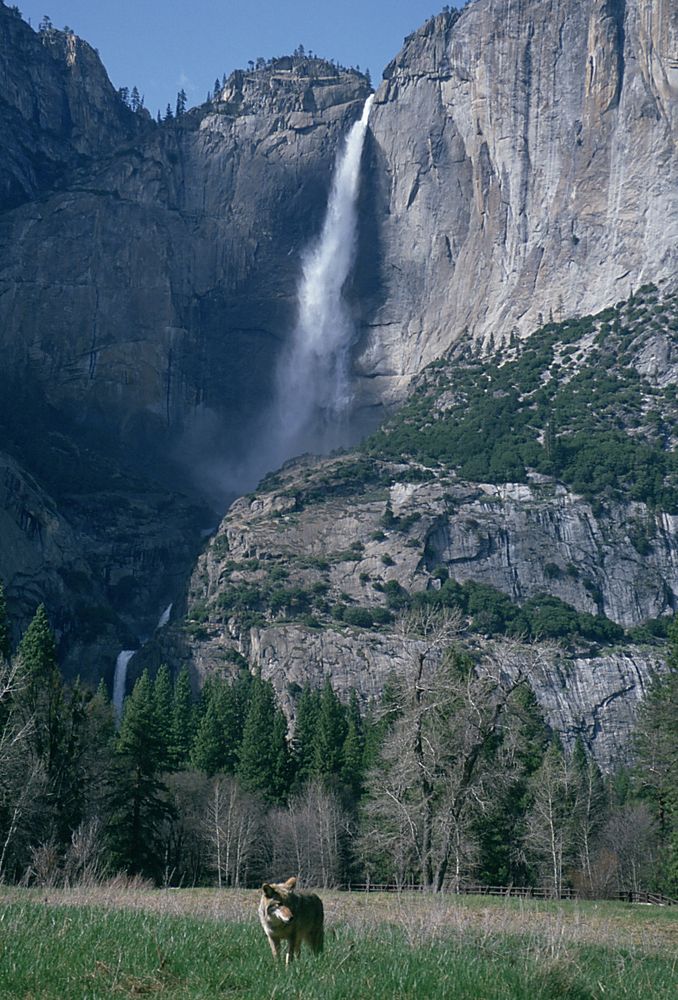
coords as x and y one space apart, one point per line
312 395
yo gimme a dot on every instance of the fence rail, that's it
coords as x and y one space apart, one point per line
515 892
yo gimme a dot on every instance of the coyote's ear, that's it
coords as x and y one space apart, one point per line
268 890
291 882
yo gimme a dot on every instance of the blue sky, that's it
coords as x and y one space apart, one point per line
163 45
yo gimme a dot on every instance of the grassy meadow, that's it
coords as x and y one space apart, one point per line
121 942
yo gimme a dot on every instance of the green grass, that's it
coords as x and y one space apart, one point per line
388 949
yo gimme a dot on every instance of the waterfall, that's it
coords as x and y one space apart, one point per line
164 617
312 393
120 681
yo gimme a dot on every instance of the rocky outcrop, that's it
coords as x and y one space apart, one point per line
104 562
58 109
523 539
303 548
593 698
526 156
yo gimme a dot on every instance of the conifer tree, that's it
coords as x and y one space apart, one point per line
378 720
43 692
139 800
330 734
183 719
98 758
306 724
519 751
256 769
282 761
353 750
215 748
181 103
242 694
163 705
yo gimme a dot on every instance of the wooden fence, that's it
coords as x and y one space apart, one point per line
513 891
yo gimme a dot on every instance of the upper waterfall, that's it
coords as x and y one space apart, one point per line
312 395
312 384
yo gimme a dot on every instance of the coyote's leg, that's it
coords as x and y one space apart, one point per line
317 941
292 950
274 946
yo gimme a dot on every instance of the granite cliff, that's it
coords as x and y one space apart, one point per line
528 151
570 576
520 167
147 276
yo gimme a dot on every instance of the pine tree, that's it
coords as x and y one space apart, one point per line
43 693
217 89
353 750
139 801
256 756
136 103
181 103
215 748
282 761
330 734
37 649
183 720
169 114
305 728
163 705
499 827
5 634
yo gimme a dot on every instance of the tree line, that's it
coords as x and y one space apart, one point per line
451 775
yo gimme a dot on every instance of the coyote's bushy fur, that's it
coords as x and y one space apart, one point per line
291 916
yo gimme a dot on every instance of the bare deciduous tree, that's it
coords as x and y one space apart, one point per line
21 775
435 765
307 838
550 835
627 850
232 825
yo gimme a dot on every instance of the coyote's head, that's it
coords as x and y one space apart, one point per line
276 899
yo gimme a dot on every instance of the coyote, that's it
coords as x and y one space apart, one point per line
291 916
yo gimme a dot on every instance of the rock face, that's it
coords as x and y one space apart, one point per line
526 162
522 161
58 109
593 698
150 289
303 537
104 562
522 539
147 278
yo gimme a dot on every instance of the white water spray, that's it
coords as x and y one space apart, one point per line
164 617
120 681
313 394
